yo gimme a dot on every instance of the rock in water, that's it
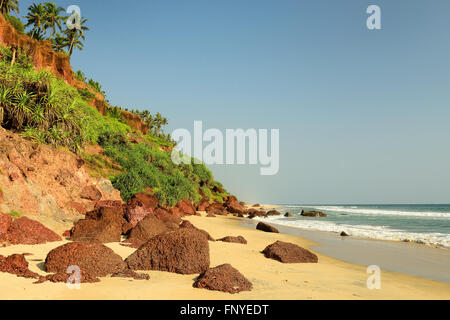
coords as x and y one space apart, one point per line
289 253
273 213
314 214
94 259
252 213
239 239
185 251
288 215
344 234
266 228
223 278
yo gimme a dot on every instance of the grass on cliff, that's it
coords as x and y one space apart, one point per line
44 109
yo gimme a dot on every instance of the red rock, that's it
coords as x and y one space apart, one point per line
266 228
64 277
109 203
238 239
172 221
234 206
18 265
144 199
187 225
314 214
186 208
145 230
104 224
67 234
203 205
134 214
5 222
131 274
27 231
273 213
92 258
289 253
91 193
79 207
223 278
14 176
256 213
185 251
217 209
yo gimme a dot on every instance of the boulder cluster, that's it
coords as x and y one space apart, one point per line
162 239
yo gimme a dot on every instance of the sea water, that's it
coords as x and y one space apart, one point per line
425 224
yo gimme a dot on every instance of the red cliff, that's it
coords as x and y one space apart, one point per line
43 57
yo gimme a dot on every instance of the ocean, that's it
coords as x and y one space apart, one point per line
424 224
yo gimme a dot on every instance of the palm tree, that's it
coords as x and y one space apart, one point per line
75 35
53 17
6 6
59 42
36 18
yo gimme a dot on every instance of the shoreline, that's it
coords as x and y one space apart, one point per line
420 260
330 279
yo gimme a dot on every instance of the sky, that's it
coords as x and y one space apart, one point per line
363 114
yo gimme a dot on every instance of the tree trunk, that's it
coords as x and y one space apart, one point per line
71 47
13 60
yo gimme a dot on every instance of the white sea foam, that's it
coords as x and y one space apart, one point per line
364 231
358 210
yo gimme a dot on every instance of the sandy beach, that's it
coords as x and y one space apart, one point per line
329 279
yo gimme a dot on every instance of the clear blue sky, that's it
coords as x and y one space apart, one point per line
364 116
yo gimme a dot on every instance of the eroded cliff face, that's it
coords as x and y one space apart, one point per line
41 51
40 181
43 57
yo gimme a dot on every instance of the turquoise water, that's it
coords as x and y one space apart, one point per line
427 224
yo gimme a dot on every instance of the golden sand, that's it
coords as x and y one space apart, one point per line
329 279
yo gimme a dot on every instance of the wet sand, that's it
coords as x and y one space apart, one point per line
414 259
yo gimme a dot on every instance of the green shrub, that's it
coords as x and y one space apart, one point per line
15 22
86 94
15 214
47 110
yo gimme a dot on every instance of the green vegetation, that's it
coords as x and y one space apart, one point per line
46 21
146 165
47 110
15 22
96 86
15 214
6 6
